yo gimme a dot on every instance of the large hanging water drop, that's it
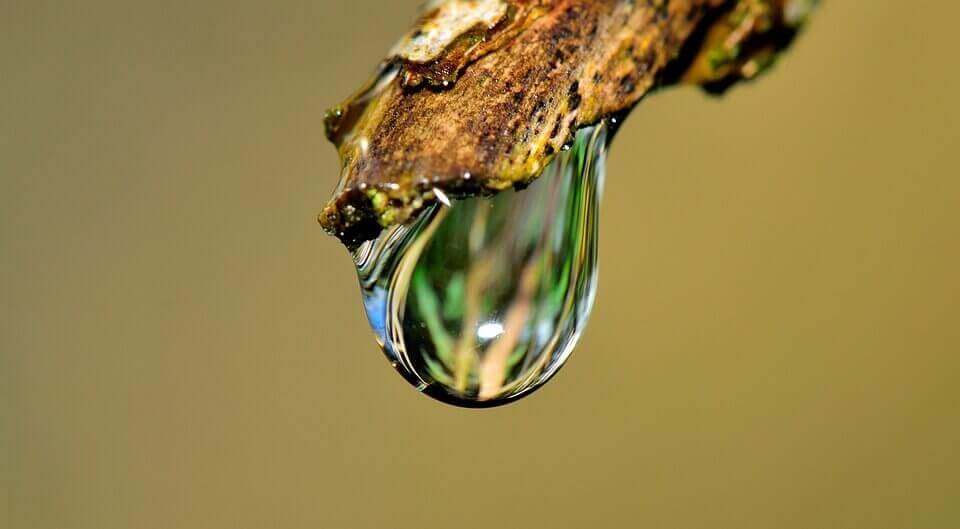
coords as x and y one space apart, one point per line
479 301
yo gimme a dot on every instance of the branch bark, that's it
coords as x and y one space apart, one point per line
481 94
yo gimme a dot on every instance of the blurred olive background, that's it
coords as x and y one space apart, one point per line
775 341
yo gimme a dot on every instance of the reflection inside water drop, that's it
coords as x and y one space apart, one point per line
480 301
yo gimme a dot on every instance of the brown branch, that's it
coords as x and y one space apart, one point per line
482 93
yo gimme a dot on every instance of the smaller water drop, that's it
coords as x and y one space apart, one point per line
479 301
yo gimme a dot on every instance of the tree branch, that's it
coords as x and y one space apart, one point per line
481 94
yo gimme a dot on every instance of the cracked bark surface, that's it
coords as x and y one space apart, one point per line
481 94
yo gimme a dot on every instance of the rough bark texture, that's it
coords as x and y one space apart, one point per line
495 101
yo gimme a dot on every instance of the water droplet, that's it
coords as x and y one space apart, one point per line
479 301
